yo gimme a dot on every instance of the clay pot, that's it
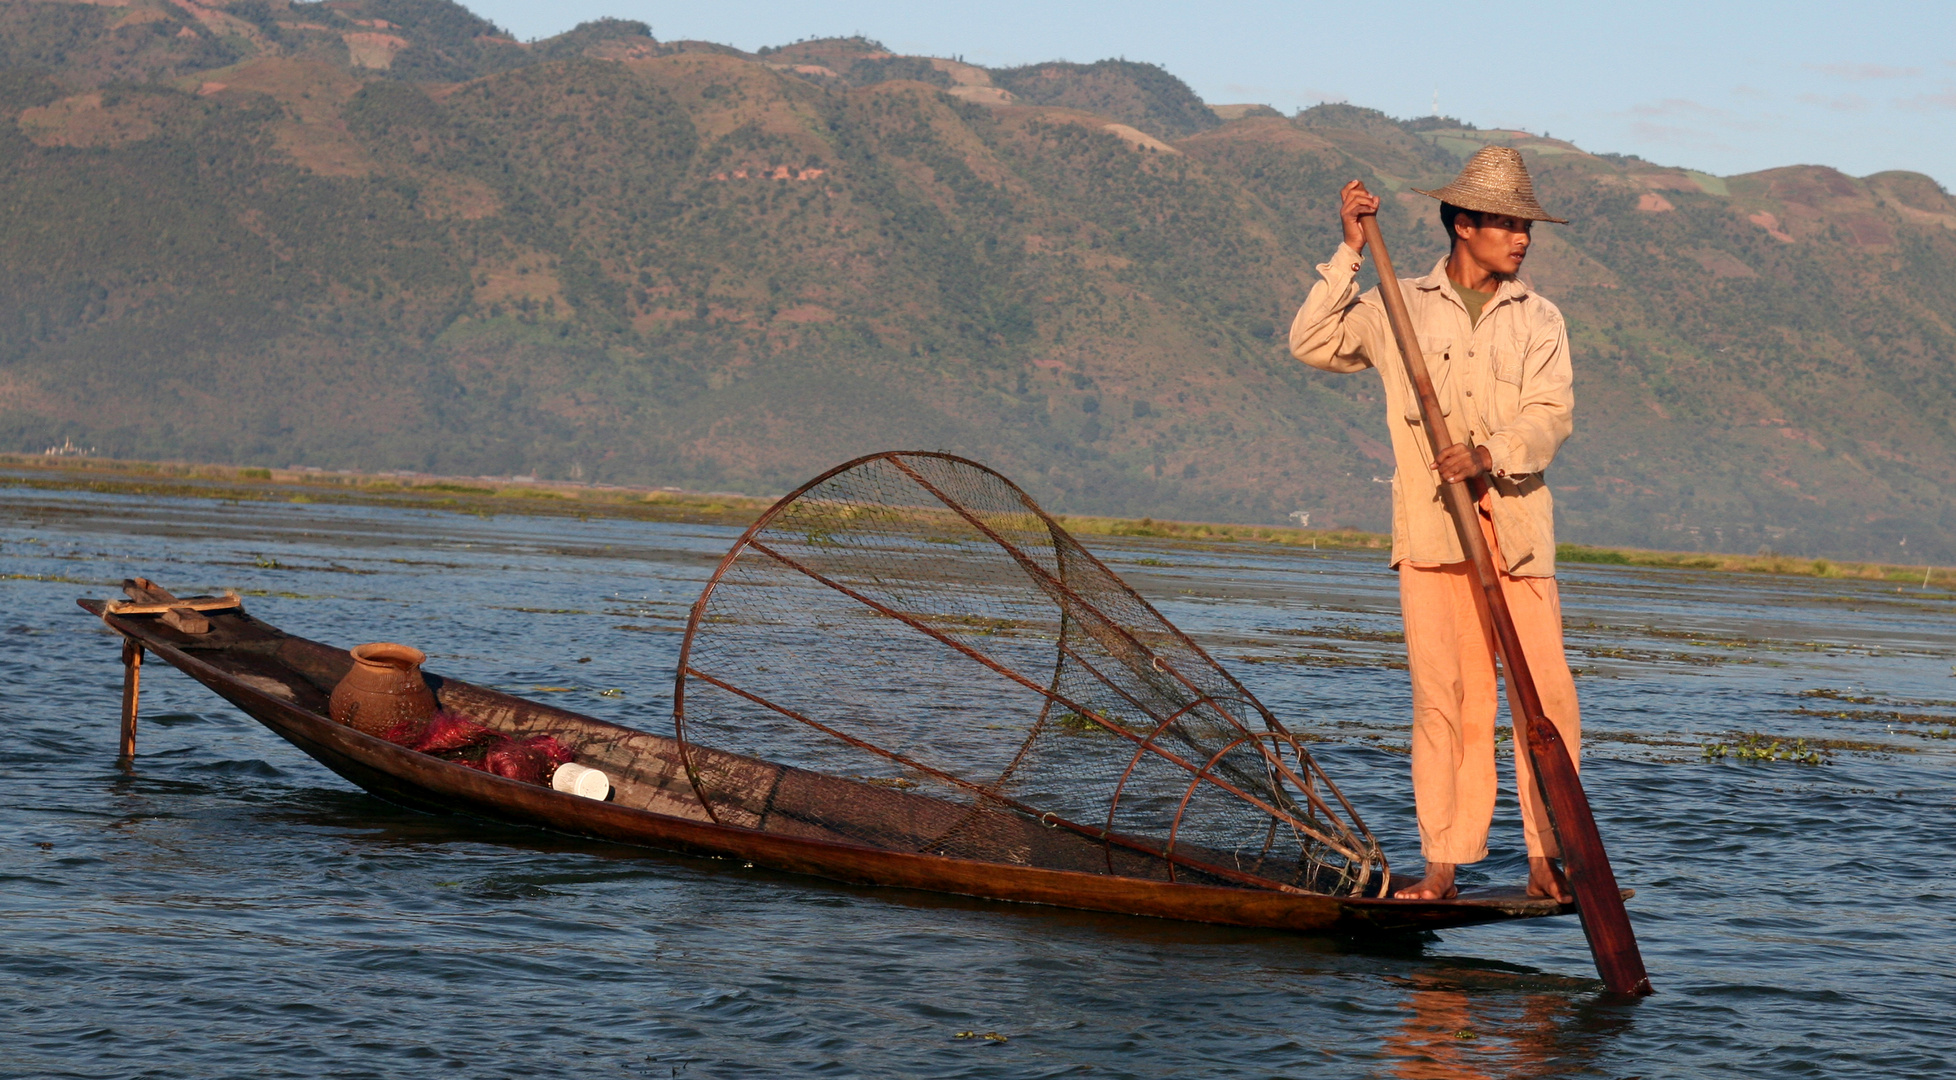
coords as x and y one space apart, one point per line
384 689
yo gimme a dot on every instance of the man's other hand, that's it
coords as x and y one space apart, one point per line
1462 462
1355 202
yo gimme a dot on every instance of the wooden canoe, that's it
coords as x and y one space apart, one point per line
284 682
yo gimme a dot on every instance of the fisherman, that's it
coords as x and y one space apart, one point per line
1499 359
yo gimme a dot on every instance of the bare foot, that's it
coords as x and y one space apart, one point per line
1545 880
1436 885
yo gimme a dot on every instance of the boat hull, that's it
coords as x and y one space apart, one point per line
281 680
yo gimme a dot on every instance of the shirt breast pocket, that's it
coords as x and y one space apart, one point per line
1509 360
1439 366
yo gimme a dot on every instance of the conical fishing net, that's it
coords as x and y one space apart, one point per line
909 654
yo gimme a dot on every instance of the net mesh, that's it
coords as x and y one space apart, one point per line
909 654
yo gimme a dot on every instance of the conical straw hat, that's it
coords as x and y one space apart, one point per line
1495 181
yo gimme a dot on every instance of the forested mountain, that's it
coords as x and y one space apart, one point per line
382 234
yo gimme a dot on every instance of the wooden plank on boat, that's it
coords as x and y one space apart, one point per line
187 619
144 591
188 605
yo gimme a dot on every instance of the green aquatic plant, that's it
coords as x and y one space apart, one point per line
1753 746
1082 725
1839 695
48 577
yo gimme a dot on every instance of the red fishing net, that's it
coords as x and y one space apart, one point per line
457 737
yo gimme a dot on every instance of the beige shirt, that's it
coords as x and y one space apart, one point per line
1503 384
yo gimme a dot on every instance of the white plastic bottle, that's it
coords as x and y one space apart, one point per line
575 779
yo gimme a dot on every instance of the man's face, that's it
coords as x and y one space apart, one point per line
1498 243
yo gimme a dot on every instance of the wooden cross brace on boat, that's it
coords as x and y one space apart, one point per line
185 614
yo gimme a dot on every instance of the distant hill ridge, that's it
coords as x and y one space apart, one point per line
384 234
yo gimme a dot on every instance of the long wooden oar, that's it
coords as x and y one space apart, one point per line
1604 921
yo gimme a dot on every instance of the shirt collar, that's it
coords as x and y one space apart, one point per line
1512 289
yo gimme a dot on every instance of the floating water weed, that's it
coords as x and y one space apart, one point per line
1079 725
48 577
1754 746
896 783
1840 695
1891 702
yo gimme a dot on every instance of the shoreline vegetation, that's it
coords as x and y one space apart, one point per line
488 496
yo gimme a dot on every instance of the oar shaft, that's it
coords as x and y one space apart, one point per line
1604 920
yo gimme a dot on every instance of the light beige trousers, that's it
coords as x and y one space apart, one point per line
1456 696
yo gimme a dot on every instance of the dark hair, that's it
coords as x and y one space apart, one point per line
1449 211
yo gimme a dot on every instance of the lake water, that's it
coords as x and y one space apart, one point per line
231 908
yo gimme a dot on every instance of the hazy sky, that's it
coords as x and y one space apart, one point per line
1724 87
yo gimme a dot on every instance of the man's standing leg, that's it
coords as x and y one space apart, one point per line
1536 604
1454 705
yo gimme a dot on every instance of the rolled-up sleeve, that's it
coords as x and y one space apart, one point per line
1328 331
1546 416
